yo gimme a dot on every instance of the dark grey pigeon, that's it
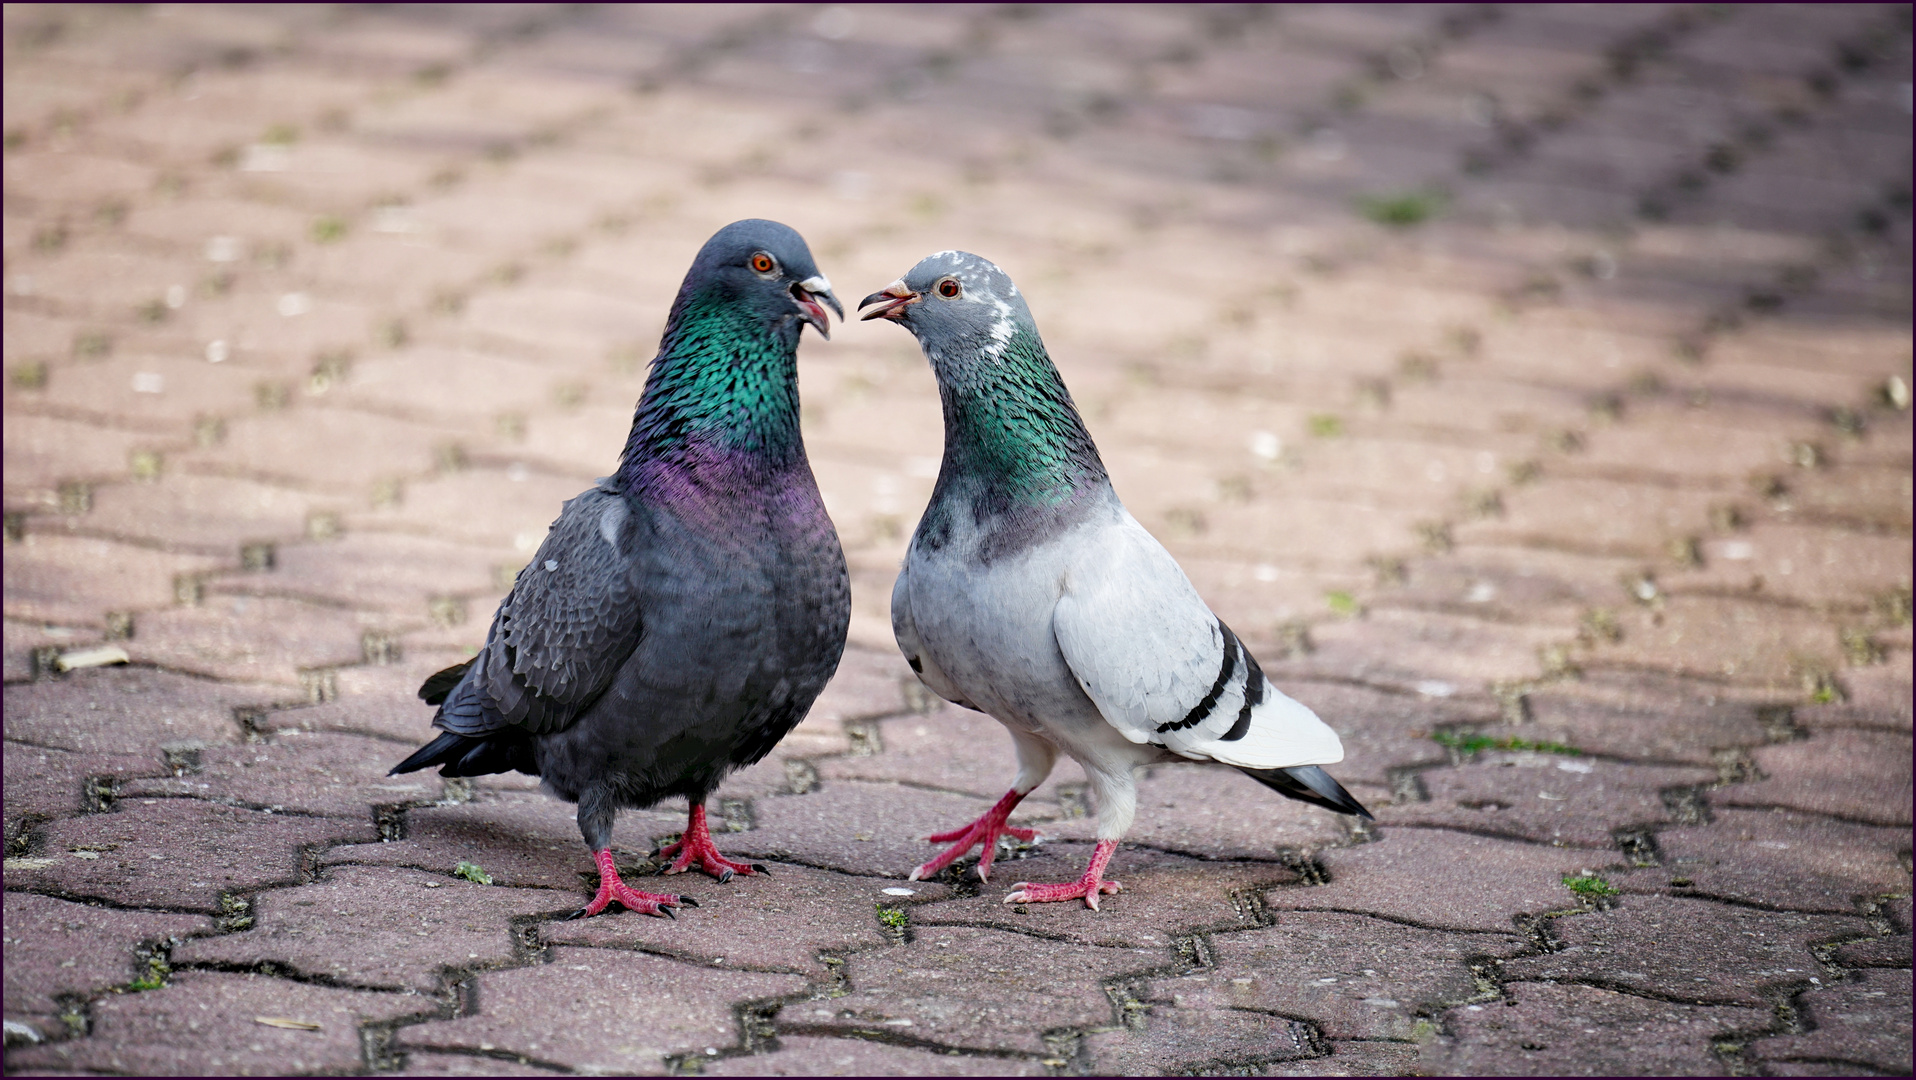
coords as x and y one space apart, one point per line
1031 594
682 615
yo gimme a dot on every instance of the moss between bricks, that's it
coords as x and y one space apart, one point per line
1589 886
1471 744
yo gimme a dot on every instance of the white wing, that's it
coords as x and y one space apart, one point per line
1164 670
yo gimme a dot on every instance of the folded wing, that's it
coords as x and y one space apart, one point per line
563 632
1164 670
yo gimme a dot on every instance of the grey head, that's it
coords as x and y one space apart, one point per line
962 309
764 266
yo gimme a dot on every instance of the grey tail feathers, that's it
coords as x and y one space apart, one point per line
466 755
438 685
1308 783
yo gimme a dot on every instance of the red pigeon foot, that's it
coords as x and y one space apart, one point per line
612 888
1085 888
696 846
985 830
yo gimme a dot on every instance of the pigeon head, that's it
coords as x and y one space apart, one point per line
1010 424
961 308
726 376
766 268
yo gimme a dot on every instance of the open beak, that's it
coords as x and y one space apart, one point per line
893 298
808 293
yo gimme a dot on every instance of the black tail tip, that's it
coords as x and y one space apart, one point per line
1311 784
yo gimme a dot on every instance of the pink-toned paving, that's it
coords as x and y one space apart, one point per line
1528 386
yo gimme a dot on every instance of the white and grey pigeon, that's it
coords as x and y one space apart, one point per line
1031 594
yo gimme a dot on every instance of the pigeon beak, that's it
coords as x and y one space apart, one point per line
894 298
808 293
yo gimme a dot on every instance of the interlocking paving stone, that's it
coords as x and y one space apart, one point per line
1862 1020
1183 1038
1776 857
299 772
1165 895
251 639
1857 775
377 928
130 709
783 921
519 836
75 579
43 451
886 824
1638 716
1803 563
603 1010
806 1055
178 853
208 1021
58 950
1886 952
212 515
1440 879
421 1063
1400 649
1710 636
1357 977
1649 334
1878 697
44 784
1685 950
377 699
966 987
1572 1030
389 574
1545 798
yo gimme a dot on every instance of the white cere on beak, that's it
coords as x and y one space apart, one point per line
816 284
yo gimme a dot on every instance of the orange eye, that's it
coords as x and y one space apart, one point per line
763 263
948 288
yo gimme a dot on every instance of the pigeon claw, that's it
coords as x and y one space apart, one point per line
695 846
614 890
1026 892
1087 888
985 830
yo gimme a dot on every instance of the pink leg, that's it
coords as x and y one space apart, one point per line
1087 887
696 846
985 830
612 888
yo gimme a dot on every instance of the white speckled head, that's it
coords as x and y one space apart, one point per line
961 307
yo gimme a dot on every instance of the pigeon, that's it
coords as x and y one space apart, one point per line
1029 593
682 614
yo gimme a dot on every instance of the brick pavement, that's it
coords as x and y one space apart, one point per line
1530 386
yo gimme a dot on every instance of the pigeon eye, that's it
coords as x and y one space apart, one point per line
763 263
948 288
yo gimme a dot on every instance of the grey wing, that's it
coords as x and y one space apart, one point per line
571 621
904 629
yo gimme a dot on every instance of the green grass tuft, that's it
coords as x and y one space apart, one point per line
891 918
1401 210
1342 603
1471 744
1589 886
472 872
1326 426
